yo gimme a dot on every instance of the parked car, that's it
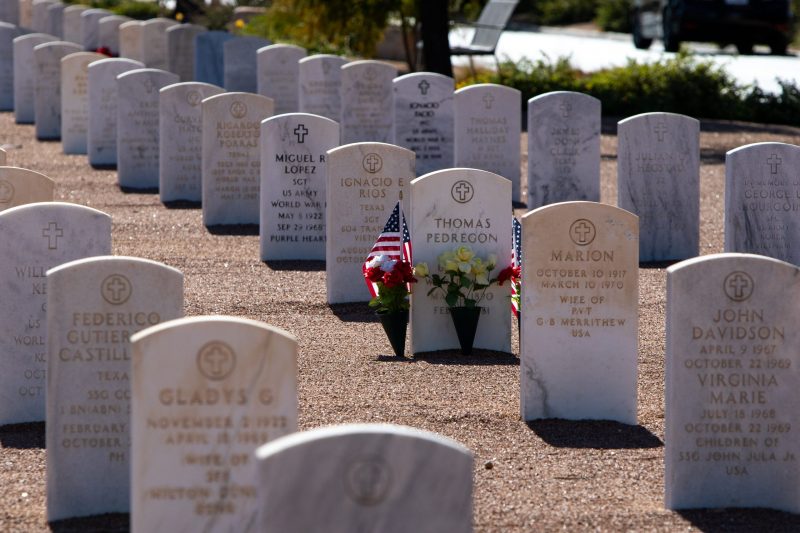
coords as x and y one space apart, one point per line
743 23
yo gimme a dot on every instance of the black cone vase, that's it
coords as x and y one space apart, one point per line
394 324
465 319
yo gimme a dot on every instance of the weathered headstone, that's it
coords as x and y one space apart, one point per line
71 24
180 49
75 100
34 238
762 200
278 72
424 119
47 87
137 126
209 61
563 148
453 208
365 477
55 19
130 40
180 140
658 179
579 313
7 34
487 131
90 19
367 101
24 78
364 183
212 358
293 163
108 33
230 157
93 307
19 186
239 60
9 12
102 133
732 432
319 84
154 42
39 21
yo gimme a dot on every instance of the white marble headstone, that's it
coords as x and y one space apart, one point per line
55 19
208 57
180 140
579 313
71 24
449 209
47 87
365 181
90 20
7 34
732 429
9 11
278 70
108 33
762 200
94 306
239 60
367 102
563 148
180 49
75 100
39 20
487 122
251 368
33 239
319 82
365 477
154 42
19 186
24 78
658 179
230 157
130 40
137 126
424 119
102 132
294 150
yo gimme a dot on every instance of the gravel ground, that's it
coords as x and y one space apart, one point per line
543 476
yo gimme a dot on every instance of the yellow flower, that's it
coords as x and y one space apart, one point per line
464 253
444 258
464 267
450 265
482 279
239 24
478 266
421 270
179 16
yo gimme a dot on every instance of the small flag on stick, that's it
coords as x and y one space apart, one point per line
516 260
394 242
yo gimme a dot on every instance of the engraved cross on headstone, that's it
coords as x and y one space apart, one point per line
423 87
52 232
660 129
215 359
774 161
462 190
301 131
583 230
116 287
488 99
566 109
739 284
373 162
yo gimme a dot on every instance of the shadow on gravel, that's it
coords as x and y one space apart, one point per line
741 520
234 229
183 204
477 358
354 312
112 166
112 522
600 434
22 436
302 266
131 190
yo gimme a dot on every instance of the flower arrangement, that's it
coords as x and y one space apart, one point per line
393 278
465 277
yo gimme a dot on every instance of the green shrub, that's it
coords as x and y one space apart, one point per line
137 10
553 12
614 15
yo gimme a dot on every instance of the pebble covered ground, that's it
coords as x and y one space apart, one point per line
543 476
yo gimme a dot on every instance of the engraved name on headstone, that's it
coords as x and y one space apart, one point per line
278 71
367 101
319 84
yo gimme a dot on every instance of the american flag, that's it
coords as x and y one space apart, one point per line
392 242
516 258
